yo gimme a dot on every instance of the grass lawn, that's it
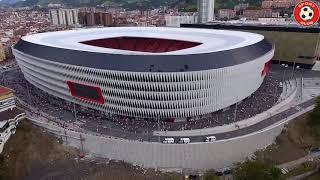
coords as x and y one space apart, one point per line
303 168
33 154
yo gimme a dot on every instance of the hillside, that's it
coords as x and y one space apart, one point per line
33 154
9 2
184 5
128 4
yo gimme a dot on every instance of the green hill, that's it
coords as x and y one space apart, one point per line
184 5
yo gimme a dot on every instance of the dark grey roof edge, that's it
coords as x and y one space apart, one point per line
147 63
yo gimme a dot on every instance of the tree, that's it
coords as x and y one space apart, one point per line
250 170
314 117
210 175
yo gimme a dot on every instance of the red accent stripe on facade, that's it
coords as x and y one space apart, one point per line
266 68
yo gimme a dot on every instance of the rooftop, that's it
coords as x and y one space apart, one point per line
197 41
9 114
4 91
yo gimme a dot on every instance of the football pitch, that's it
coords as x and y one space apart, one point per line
299 47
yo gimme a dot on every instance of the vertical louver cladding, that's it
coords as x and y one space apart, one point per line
146 94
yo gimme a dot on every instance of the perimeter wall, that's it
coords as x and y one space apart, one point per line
195 156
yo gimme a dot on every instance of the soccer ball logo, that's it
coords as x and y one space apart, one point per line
306 13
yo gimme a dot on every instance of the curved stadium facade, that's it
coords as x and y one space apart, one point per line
147 72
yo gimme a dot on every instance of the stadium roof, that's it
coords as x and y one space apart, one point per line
146 49
206 41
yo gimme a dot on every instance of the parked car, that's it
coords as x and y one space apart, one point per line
227 171
315 149
219 173
184 141
193 177
168 141
210 139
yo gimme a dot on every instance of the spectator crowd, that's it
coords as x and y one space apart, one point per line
100 122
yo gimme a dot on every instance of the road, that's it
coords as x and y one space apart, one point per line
256 127
148 136
221 136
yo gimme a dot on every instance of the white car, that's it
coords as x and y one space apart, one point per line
184 141
210 139
168 141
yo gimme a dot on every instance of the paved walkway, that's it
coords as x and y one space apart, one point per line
316 67
303 176
295 163
304 107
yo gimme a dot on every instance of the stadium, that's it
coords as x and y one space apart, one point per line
166 73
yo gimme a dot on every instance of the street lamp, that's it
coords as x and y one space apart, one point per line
235 111
294 65
298 67
74 110
301 78
158 128
284 72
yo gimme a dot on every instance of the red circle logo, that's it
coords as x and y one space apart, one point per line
306 13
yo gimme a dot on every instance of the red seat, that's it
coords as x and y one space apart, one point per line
152 45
